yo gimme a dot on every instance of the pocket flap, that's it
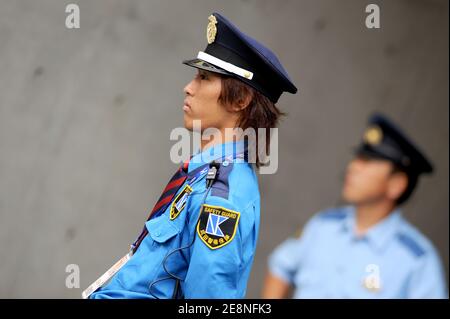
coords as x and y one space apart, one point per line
161 229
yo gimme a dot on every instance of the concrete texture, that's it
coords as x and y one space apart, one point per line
85 117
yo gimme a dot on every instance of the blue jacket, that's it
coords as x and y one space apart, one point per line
218 248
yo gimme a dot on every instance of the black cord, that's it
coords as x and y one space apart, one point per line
184 247
155 282
210 178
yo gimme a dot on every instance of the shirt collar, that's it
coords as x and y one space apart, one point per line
229 151
379 234
349 220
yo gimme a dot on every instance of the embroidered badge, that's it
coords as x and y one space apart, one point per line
211 29
217 225
179 202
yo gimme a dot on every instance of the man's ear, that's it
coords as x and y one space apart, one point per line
242 103
397 185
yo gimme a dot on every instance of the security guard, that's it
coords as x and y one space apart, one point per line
367 249
200 238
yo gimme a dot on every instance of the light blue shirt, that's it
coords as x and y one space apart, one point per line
392 260
216 269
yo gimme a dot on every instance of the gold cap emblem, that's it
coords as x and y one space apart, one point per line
373 135
211 30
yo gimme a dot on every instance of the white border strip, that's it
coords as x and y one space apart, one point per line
225 65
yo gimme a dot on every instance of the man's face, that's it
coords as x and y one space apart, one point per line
366 180
201 102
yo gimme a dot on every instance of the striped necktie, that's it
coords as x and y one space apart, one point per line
165 199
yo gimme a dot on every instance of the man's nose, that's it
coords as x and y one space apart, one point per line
189 88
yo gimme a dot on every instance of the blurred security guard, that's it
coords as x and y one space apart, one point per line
200 238
366 250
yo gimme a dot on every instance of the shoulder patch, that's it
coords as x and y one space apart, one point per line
411 244
217 225
179 202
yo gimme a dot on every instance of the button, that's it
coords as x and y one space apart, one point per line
225 163
158 233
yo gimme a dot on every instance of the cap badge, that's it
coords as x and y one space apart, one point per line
211 30
373 135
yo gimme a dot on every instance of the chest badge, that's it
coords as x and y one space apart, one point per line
217 225
180 202
372 282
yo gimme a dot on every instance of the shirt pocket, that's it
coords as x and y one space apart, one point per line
311 282
161 230
146 265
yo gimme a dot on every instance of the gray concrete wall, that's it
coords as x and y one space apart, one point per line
85 117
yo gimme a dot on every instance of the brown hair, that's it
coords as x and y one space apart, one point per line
260 113
413 179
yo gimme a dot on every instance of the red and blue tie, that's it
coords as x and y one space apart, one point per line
165 199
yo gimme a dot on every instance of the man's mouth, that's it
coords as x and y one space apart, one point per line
186 106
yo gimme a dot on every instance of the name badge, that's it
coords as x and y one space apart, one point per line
106 276
179 202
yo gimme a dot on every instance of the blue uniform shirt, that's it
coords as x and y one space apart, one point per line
217 264
392 260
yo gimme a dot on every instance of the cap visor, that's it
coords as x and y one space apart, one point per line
370 153
200 64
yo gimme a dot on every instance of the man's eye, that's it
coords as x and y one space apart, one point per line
203 76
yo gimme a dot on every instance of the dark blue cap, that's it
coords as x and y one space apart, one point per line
384 139
233 53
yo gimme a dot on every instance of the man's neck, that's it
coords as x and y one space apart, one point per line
217 139
369 214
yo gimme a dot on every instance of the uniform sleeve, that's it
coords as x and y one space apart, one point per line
217 253
285 260
428 279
